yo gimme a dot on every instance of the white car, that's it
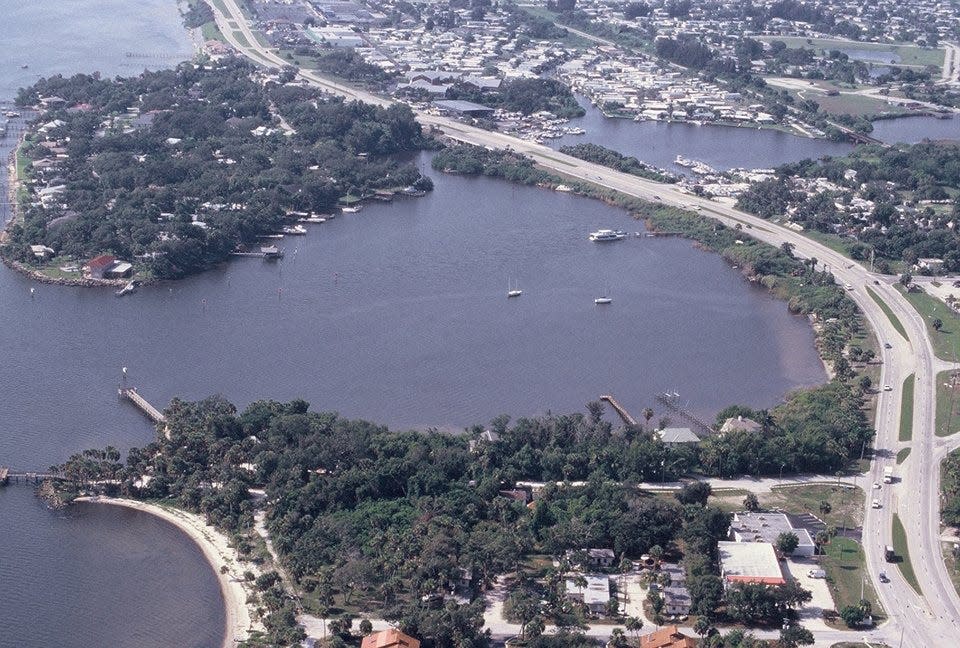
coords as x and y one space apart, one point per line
887 388
876 484
876 504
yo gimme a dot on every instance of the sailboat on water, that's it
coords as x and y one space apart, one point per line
604 300
513 291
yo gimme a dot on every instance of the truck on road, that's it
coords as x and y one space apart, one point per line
888 475
889 554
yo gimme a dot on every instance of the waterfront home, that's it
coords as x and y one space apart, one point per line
677 436
99 265
740 424
42 252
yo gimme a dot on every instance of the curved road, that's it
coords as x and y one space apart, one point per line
932 618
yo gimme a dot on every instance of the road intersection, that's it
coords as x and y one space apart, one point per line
928 619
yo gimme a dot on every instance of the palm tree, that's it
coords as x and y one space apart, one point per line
634 625
702 626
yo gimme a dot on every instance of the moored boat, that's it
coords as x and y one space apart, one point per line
603 235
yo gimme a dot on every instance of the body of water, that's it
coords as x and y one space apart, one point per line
722 147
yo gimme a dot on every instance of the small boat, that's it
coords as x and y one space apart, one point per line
129 288
351 210
513 292
603 235
24 66
602 301
12 114
295 230
312 219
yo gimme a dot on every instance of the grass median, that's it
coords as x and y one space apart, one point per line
902 455
948 404
906 409
889 313
903 553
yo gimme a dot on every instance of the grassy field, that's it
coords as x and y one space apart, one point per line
571 40
903 553
889 313
909 54
846 504
948 404
210 31
853 104
906 409
844 561
241 39
946 341
902 455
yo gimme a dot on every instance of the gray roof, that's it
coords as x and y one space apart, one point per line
678 435
461 106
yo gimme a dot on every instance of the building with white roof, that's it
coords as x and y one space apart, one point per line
749 562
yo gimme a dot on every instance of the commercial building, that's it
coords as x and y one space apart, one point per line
749 562
767 527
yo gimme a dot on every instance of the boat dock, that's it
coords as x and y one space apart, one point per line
672 402
619 409
24 476
131 394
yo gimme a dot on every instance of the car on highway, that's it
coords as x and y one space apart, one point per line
887 388
876 484
876 504
887 345
657 198
883 577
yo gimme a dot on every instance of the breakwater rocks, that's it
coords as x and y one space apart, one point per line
36 275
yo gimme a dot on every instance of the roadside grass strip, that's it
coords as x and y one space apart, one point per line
903 552
889 313
906 409
902 455
948 404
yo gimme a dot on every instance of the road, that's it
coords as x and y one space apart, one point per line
951 64
933 619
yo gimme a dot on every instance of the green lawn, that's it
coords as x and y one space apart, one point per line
906 409
903 553
909 54
886 309
948 405
902 455
241 39
843 561
571 40
210 32
846 504
946 341
853 104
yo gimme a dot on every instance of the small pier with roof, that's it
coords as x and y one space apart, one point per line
619 409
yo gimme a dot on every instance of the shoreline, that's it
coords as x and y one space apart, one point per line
223 559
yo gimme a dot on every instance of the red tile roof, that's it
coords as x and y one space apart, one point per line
667 637
102 261
391 638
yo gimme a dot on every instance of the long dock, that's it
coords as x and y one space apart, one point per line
619 409
142 404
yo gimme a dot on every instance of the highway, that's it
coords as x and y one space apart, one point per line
931 619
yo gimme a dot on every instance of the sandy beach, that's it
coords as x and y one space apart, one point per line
218 553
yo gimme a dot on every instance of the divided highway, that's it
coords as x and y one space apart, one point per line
928 619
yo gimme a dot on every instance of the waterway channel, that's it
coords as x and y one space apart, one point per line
397 314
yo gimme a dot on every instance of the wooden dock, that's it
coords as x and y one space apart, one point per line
131 394
619 409
4 475
672 402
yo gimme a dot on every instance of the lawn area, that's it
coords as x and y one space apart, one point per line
948 404
906 409
902 455
886 309
853 104
843 561
951 562
946 341
211 32
903 553
571 40
241 39
846 504
909 54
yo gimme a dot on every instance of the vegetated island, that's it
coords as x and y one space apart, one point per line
175 170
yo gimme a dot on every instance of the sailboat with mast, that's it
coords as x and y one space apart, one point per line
513 291
603 300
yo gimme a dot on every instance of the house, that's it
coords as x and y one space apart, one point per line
595 595
929 264
97 266
749 562
667 637
601 557
677 436
42 252
391 638
676 600
767 527
740 424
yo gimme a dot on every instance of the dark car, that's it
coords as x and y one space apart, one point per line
883 577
